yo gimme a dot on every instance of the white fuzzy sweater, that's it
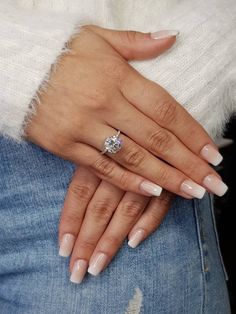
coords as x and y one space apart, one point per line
200 70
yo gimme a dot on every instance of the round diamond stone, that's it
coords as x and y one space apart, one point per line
112 144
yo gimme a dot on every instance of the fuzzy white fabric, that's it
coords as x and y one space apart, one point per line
199 71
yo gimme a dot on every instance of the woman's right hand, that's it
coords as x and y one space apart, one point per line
94 92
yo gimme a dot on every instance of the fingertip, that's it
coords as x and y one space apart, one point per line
136 238
164 34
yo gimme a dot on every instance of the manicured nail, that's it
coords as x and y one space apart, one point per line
193 189
66 244
136 238
97 264
151 188
215 185
211 154
79 270
164 34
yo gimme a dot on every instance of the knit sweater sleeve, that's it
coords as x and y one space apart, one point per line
30 42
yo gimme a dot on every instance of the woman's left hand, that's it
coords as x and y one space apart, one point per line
97 217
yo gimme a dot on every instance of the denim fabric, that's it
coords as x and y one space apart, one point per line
177 270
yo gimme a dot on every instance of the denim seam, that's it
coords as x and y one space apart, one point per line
217 237
196 213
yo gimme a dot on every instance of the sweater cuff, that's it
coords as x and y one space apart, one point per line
31 42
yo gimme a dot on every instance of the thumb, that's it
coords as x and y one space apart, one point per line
134 45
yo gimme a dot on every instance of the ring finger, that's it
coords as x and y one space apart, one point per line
140 161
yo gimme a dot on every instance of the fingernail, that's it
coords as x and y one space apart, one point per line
136 238
164 34
215 185
151 188
211 154
78 271
66 245
193 189
97 264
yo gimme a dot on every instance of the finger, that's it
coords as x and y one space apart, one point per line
97 217
155 102
137 45
110 171
80 191
138 160
151 218
159 141
127 213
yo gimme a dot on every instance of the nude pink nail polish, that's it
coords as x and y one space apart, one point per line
215 185
164 34
151 188
211 154
66 245
97 264
79 271
136 238
193 189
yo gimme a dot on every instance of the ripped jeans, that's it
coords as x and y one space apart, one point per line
176 270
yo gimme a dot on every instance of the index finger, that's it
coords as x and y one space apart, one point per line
155 102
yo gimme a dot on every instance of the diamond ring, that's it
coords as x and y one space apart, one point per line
112 144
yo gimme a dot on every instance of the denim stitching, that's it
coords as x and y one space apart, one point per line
217 237
198 228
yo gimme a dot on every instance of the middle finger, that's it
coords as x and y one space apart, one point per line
126 215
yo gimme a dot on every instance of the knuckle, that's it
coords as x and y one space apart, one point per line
134 157
166 112
125 180
102 209
98 101
131 209
129 37
115 68
80 191
112 241
104 167
156 217
71 217
163 177
196 169
87 244
160 141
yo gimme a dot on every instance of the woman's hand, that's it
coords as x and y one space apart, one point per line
97 217
94 92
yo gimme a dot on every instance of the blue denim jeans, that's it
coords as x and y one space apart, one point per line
176 270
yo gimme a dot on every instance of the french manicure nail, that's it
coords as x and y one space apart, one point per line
215 185
78 271
66 244
193 189
211 154
151 188
136 238
97 264
164 34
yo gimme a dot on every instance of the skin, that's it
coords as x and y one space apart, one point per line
100 215
92 93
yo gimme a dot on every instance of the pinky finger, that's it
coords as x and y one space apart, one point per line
151 218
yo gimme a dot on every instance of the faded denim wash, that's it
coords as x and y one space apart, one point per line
177 270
